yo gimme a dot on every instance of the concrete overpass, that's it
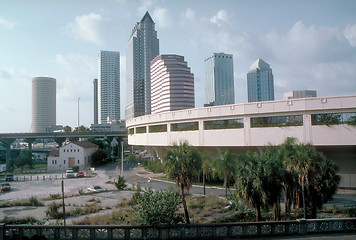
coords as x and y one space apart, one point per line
329 123
8 138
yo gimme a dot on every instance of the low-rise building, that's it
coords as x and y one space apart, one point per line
70 155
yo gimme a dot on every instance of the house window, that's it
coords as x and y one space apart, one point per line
64 150
78 150
71 150
74 150
64 161
78 162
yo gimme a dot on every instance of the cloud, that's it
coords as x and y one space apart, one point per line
91 27
220 18
146 6
7 24
76 79
350 34
189 14
161 16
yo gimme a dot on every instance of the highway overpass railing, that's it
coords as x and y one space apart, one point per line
192 231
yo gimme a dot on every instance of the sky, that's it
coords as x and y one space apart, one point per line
309 44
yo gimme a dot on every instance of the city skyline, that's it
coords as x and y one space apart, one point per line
312 47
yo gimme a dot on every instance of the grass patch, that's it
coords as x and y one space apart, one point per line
32 201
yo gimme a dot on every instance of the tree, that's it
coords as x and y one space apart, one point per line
182 163
207 167
317 176
225 167
25 158
249 181
67 128
155 207
98 158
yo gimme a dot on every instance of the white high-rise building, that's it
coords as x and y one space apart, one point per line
43 103
143 46
109 86
172 84
220 87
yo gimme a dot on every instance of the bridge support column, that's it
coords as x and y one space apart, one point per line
60 140
29 141
8 142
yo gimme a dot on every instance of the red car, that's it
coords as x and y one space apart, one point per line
80 174
5 187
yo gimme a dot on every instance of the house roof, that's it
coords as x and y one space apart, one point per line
84 144
54 153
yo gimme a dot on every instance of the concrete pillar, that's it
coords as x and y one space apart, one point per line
29 141
8 142
60 140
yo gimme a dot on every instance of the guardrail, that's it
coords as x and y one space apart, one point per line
184 231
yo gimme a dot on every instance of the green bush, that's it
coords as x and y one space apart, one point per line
75 169
153 165
53 212
155 207
120 184
34 201
351 212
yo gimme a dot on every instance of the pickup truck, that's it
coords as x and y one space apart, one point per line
70 174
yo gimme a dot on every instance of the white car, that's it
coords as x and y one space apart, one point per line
70 173
95 188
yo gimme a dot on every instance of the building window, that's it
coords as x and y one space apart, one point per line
131 131
78 162
334 119
71 150
278 121
74 150
141 130
187 126
64 161
158 128
224 124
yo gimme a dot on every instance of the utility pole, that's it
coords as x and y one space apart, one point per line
122 158
78 114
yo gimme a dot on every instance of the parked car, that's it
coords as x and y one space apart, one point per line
9 178
5 187
70 173
80 174
95 188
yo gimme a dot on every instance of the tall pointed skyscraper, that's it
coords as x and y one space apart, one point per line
260 85
109 86
143 46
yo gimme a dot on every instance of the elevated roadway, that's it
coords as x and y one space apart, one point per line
328 123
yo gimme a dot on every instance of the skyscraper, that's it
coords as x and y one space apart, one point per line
43 103
109 86
219 89
95 85
172 84
143 46
260 85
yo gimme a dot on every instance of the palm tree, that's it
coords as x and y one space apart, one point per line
225 167
182 163
249 186
207 167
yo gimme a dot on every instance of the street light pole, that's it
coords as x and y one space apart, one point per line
122 158
78 114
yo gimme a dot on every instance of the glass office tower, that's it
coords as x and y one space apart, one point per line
219 88
143 46
260 85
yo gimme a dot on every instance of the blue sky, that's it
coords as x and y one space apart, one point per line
309 44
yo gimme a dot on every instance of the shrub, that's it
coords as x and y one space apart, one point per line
55 196
53 212
155 207
34 201
75 169
121 183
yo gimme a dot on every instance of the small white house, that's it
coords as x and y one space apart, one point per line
70 155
